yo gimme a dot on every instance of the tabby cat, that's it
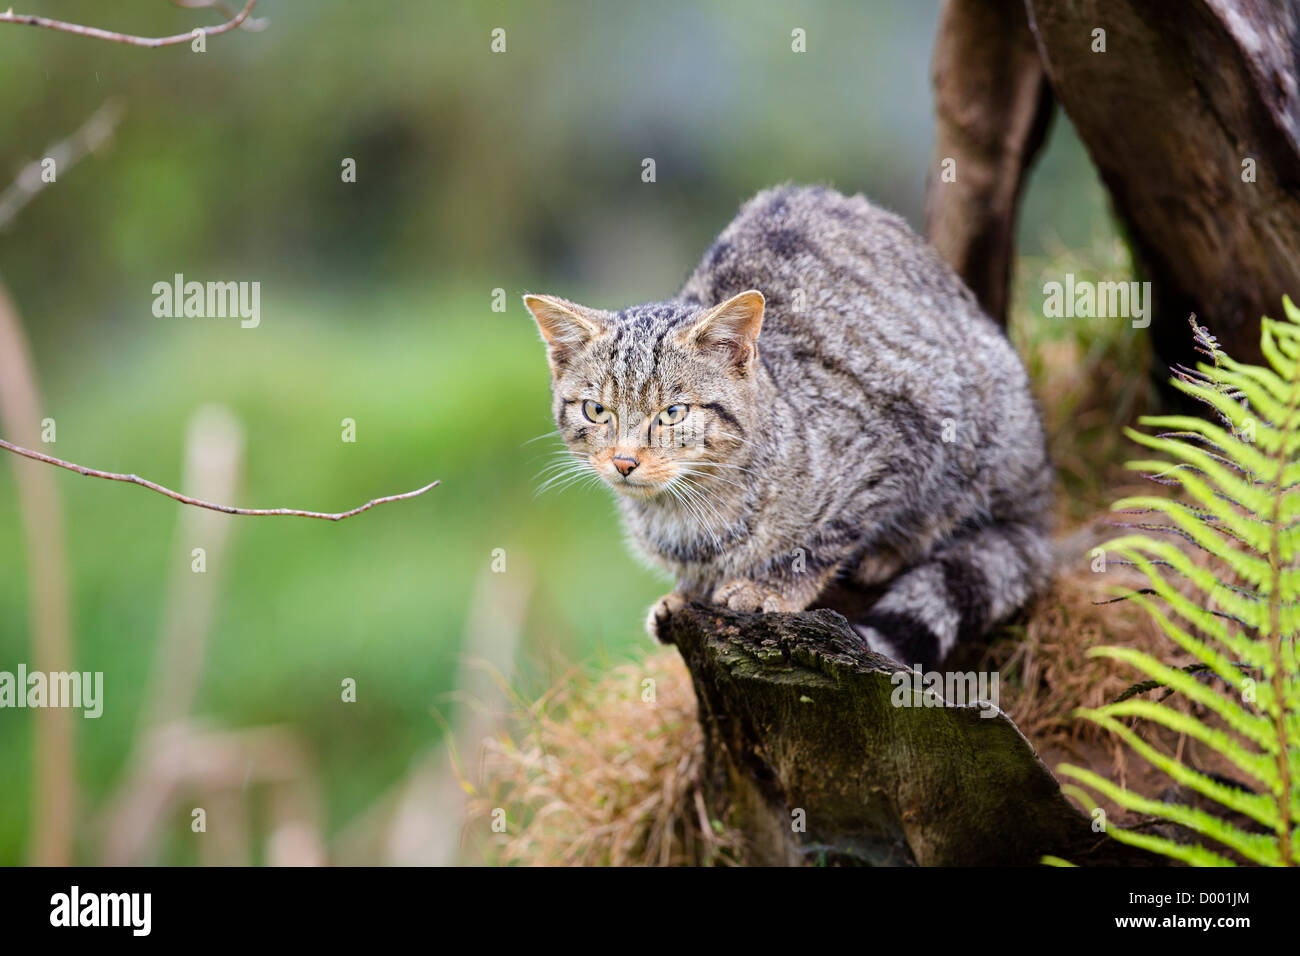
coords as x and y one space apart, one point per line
822 413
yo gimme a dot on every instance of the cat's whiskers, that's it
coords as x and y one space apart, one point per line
569 469
564 457
559 469
583 481
741 441
727 464
559 483
553 432
736 438
701 505
691 490
698 473
681 492
710 495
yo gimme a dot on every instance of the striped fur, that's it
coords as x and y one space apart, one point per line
860 425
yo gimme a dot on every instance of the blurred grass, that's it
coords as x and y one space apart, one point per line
440 387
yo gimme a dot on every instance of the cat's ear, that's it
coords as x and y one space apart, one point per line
566 326
732 327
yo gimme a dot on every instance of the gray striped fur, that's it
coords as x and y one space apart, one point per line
876 431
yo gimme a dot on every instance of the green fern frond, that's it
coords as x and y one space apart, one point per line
1253 727
1232 672
1237 613
1259 766
1199 531
1193 854
1246 611
1259 808
1199 821
1263 388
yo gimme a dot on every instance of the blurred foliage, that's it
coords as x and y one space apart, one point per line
524 166
475 171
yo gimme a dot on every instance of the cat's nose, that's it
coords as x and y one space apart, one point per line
625 465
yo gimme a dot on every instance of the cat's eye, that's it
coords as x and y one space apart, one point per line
673 414
595 412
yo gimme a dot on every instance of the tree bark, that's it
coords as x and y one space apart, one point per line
992 107
808 755
1184 94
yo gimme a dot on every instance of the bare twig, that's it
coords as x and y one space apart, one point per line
251 25
92 134
196 502
27 19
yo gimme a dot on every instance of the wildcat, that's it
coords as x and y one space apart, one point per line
823 411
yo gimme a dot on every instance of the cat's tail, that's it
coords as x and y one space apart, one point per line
958 593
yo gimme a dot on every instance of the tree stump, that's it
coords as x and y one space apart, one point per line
801 726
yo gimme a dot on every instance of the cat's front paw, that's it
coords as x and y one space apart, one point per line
656 622
745 595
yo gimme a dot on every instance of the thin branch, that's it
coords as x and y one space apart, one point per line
90 137
198 503
27 19
252 24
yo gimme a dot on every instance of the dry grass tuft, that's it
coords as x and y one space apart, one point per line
596 774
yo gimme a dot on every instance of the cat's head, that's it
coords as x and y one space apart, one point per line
656 396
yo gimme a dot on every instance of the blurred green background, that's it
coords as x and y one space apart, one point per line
475 171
